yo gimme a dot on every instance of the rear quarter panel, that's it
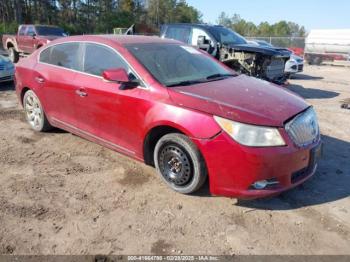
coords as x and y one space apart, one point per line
24 77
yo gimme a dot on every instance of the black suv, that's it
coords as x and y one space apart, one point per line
232 49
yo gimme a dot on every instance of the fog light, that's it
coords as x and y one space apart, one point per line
260 184
264 184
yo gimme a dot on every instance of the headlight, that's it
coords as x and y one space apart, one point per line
249 135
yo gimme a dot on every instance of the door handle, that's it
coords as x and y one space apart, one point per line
39 79
80 92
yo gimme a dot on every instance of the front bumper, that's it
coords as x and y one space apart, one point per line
293 67
233 168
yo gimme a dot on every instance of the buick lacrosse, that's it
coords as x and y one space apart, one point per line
174 107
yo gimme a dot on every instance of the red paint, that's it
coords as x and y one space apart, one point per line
299 51
25 43
121 119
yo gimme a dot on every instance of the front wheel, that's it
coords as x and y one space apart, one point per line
179 163
13 55
34 112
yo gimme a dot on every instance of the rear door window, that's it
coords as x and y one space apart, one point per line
180 33
99 58
65 55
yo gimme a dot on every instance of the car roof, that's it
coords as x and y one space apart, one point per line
119 39
205 26
39 25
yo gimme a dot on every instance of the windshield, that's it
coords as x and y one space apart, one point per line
48 30
174 65
226 36
264 43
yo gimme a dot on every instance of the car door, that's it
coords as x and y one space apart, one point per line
27 39
103 110
21 38
55 73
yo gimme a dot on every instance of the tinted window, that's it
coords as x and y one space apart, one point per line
181 33
172 63
226 36
98 58
22 30
49 30
64 55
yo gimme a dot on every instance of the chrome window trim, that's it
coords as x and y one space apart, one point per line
143 82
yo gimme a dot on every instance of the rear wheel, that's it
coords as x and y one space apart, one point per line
13 55
317 60
34 112
179 163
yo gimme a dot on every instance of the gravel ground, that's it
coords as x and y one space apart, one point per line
60 194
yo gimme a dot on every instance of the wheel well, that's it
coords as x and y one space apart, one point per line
151 140
24 90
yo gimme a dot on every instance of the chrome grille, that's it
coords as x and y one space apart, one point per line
303 129
2 67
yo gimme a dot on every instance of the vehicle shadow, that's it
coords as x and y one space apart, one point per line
330 183
312 93
7 86
306 77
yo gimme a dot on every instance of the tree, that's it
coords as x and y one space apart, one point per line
246 28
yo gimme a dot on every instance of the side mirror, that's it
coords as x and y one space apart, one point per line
201 40
203 43
33 35
120 76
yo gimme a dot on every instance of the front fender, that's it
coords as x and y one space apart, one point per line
190 122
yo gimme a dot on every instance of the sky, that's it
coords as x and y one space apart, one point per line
313 14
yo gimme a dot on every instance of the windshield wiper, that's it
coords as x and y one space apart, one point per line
213 77
185 83
220 76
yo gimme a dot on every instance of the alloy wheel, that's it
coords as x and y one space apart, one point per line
34 112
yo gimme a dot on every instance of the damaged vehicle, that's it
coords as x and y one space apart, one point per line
294 65
173 107
232 49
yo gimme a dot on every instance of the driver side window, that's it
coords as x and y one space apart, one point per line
30 31
99 58
196 32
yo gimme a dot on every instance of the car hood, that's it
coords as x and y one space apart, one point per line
258 49
242 98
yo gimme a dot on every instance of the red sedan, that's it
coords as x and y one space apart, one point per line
176 108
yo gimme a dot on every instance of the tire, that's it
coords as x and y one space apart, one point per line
13 55
34 112
179 163
317 60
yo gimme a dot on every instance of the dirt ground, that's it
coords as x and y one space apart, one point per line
61 194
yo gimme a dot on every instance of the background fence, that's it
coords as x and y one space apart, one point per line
298 42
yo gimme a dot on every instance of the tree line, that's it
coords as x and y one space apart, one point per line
95 16
101 16
247 28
